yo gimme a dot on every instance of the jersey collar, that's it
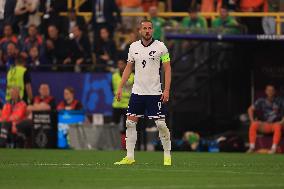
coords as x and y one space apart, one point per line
149 43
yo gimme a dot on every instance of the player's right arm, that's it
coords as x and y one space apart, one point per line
251 110
126 73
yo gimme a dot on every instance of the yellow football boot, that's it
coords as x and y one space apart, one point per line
125 161
167 161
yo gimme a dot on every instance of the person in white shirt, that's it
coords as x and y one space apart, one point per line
27 12
147 98
2 11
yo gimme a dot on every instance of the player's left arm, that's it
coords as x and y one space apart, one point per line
167 70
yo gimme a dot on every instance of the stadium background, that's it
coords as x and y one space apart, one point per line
209 96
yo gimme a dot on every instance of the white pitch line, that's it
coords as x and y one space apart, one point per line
134 168
206 186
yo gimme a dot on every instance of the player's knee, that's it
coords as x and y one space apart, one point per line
130 124
162 127
277 127
254 125
161 124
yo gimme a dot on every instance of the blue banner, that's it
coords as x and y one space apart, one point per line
93 90
2 86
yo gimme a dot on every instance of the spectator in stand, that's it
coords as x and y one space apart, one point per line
69 103
225 23
105 51
268 23
8 38
104 17
130 6
55 47
132 37
13 113
50 10
74 20
27 14
266 116
43 102
10 57
32 40
36 61
253 24
9 16
194 22
158 23
80 49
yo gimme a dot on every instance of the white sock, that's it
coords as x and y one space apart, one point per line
131 137
165 136
273 147
252 146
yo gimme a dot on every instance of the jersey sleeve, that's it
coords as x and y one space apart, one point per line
257 104
130 58
165 56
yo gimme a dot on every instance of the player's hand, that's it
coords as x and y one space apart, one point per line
118 94
165 96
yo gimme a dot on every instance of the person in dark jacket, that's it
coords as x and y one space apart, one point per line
69 102
103 16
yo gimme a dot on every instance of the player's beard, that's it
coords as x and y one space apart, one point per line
147 37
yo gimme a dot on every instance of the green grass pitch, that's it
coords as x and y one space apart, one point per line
68 169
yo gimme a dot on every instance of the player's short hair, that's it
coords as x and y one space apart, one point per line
145 20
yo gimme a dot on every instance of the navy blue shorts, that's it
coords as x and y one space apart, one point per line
146 105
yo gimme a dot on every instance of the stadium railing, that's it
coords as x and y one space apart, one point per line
278 15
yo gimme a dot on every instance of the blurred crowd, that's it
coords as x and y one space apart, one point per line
36 31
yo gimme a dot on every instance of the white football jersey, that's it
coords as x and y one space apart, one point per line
147 60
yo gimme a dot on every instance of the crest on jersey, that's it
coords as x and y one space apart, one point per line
152 53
